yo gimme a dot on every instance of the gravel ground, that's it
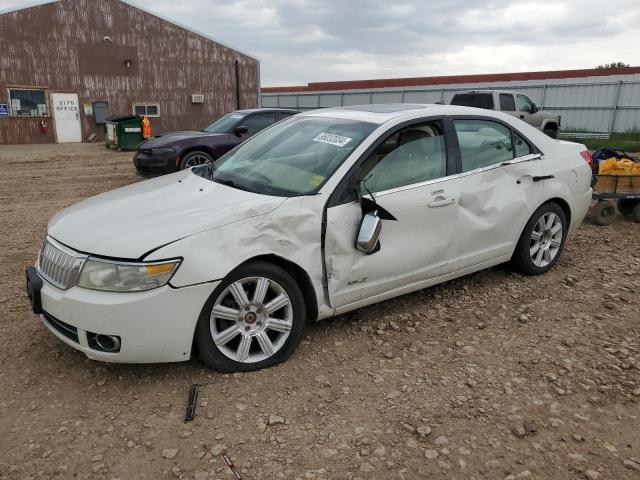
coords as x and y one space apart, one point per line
494 375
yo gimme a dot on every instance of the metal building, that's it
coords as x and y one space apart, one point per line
67 64
595 100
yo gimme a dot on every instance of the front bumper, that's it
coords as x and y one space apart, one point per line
154 326
148 164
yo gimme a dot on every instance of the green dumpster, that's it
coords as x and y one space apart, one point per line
123 132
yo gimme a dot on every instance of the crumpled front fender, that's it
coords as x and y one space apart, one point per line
292 232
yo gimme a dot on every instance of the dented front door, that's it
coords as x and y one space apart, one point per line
413 248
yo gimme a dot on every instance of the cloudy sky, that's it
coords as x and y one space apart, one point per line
300 41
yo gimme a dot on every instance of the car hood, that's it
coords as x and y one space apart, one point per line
170 138
130 221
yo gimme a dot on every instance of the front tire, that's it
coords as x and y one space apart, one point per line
604 213
550 132
541 241
254 319
195 158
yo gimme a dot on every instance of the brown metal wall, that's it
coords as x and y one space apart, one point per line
60 46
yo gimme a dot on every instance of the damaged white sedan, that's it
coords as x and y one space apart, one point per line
320 214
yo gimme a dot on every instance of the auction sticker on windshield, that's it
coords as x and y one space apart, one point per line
332 139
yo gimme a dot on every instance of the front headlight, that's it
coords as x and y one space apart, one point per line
162 151
125 277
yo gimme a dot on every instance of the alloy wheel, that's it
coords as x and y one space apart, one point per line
196 160
251 319
546 239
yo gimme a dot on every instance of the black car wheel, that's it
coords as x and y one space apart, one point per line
195 158
254 319
541 241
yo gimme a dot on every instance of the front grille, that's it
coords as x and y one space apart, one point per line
65 329
59 265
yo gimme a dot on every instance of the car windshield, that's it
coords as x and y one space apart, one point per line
293 157
225 123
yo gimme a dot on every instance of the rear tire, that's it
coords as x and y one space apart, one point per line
604 213
625 206
550 132
541 241
636 212
257 316
195 158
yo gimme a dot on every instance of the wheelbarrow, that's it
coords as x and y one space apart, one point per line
615 193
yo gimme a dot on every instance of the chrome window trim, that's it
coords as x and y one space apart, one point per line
525 158
413 185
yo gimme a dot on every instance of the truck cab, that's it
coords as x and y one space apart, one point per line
513 103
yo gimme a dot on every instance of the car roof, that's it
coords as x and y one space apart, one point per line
484 91
251 110
381 113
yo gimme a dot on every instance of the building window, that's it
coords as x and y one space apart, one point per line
28 103
148 109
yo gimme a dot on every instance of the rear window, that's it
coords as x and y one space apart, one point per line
477 100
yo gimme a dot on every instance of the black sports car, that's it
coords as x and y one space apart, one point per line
179 150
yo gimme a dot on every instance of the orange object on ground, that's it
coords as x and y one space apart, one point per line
146 127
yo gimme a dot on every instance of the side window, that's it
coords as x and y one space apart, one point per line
483 143
258 121
522 148
524 103
507 103
412 155
283 115
28 103
148 109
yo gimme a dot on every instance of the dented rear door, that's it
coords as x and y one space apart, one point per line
498 196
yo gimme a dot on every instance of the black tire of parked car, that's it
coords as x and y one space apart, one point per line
521 260
625 206
184 163
207 349
550 132
604 213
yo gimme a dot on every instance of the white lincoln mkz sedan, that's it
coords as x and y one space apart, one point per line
322 213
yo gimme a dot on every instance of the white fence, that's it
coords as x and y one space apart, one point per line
595 104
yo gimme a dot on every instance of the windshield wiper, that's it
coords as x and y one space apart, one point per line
232 184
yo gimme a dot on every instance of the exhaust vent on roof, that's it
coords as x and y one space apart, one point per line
197 98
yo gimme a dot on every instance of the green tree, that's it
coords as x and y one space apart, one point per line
613 65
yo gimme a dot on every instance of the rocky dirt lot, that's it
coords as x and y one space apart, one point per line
494 375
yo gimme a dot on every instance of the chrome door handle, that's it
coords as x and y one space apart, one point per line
441 201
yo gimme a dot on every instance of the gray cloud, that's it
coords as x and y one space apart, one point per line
318 40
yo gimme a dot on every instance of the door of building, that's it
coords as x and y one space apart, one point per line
66 115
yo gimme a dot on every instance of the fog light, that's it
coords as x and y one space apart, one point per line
103 343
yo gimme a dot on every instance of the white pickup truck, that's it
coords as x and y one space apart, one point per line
513 103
